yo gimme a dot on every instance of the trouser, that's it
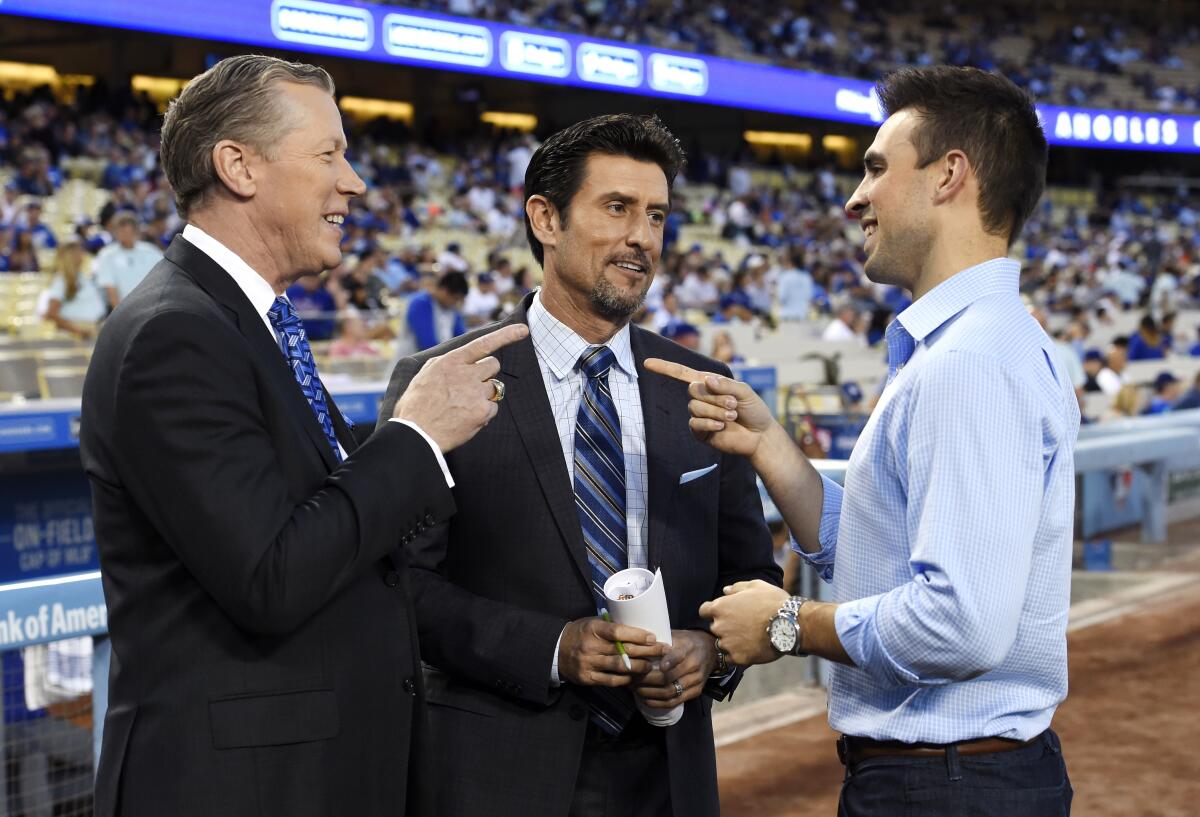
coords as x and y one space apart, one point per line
624 775
1027 782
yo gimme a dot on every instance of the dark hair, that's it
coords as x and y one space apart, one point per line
556 168
453 282
988 118
1121 341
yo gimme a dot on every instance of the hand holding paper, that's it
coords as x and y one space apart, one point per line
588 653
636 598
691 659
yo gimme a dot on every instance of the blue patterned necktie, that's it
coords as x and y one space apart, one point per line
600 501
304 367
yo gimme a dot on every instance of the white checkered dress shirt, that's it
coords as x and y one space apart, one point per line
949 549
558 351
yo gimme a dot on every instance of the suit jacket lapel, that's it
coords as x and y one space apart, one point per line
663 415
529 405
225 291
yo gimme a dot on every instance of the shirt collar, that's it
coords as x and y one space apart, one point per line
560 347
255 287
999 276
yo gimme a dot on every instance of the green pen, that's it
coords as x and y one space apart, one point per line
620 647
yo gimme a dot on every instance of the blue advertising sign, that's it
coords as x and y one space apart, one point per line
381 33
45 525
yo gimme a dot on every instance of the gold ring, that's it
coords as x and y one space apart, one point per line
498 390
678 689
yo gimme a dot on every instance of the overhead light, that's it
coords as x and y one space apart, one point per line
160 89
27 74
836 143
778 139
366 108
524 122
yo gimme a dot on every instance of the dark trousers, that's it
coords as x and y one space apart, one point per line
1027 782
625 775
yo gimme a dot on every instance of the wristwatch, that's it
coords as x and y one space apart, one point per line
784 628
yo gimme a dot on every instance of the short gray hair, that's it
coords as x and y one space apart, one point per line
236 99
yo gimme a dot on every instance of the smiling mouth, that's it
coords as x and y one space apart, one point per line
631 267
336 219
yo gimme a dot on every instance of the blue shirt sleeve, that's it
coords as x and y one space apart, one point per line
973 461
827 533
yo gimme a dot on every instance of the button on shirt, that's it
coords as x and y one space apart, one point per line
949 550
262 297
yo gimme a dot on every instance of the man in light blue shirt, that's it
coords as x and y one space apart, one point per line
123 264
949 549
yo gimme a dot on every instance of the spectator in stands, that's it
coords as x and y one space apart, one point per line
723 349
22 255
1194 349
1093 363
698 290
123 264
1147 342
352 336
76 304
795 289
1191 398
435 316
937 648
31 222
315 305
482 303
1126 403
1167 392
842 329
10 204
451 259
1111 378
502 275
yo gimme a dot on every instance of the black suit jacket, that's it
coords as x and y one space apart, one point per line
264 652
494 587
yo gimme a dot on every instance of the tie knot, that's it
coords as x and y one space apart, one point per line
282 314
596 362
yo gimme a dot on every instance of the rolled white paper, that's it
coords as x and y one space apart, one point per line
647 610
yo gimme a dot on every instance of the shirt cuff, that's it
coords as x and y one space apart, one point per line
437 452
827 531
555 681
858 630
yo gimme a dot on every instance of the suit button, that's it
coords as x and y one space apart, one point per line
409 686
392 579
577 712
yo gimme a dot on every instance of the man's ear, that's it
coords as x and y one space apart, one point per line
954 171
233 163
543 218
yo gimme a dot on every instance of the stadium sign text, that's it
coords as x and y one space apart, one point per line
326 24
426 38
609 65
678 75
535 54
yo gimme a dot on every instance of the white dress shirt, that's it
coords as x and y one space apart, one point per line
558 350
262 297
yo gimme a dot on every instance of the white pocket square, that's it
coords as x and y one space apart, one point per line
699 472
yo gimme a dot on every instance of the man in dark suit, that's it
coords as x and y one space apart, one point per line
590 469
264 653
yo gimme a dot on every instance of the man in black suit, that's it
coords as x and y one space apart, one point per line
264 653
591 468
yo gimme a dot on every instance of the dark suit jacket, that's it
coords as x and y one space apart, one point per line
264 652
494 587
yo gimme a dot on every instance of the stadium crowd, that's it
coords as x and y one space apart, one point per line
864 40
747 242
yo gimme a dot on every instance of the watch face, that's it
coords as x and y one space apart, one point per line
783 634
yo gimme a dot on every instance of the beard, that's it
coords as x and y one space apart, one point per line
614 305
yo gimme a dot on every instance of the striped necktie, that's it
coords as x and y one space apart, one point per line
304 367
600 502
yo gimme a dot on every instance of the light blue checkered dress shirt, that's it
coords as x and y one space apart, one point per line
949 550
